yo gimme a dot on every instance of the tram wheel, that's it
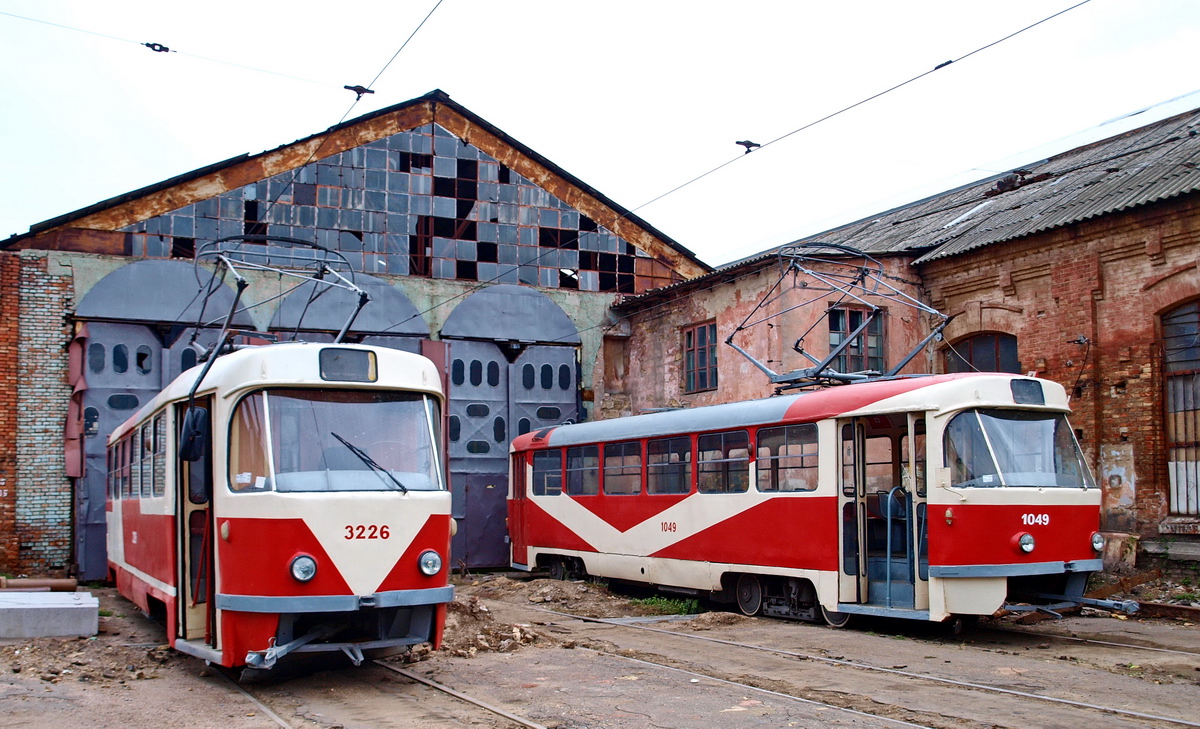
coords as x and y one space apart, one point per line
749 594
558 569
835 619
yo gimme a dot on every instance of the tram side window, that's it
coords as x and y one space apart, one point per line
669 466
113 491
147 432
583 470
787 458
160 454
914 481
879 464
135 464
547 473
723 465
849 469
623 468
118 471
126 480
248 446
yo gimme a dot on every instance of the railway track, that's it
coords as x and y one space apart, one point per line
416 689
509 718
813 687
1093 642
1134 716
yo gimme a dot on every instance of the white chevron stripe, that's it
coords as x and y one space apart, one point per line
363 563
690 517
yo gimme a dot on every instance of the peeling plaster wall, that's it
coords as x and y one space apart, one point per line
654 377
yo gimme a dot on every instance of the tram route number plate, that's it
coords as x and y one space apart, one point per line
367 531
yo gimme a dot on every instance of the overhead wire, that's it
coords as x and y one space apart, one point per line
160 48
809 125
296 171
313 155
271 202
857 104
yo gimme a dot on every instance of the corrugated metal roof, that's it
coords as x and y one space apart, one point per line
1152 163
1146 165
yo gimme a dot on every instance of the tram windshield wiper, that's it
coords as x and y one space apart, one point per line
362 456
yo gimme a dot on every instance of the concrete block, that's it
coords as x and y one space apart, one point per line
48 614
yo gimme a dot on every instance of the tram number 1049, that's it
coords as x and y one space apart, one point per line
669 526
367 531
1035 519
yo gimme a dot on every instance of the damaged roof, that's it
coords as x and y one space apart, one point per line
436 107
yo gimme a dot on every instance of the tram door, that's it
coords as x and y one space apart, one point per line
194 571
882 507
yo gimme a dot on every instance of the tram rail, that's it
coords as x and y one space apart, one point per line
902 672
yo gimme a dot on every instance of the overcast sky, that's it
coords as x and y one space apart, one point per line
635 97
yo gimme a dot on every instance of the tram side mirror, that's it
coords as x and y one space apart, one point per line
193 437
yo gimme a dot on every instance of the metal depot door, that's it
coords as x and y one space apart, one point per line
491 402
122 365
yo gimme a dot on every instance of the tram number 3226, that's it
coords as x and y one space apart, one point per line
1038 519
367 531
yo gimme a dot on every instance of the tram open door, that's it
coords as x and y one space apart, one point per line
194 579
883 566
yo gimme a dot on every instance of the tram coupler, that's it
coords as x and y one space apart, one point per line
1128 607
353 652
267 659
1051 610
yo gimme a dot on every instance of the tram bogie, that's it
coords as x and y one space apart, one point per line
305 511
921 498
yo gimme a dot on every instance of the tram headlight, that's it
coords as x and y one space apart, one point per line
1025 542
430 562
1098 541
304 568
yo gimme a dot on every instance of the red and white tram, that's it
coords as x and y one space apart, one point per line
923 498
295 501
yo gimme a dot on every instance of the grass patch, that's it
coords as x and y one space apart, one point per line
104 613
669 605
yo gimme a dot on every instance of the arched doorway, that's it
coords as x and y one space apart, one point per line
126 348
513 369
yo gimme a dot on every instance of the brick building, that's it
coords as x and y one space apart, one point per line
1082 269
475 250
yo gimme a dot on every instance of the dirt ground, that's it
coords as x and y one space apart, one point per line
126 675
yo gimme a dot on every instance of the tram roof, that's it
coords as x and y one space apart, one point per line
286 364
803 407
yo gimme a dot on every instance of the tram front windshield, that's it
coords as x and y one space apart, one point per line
989 448
298 440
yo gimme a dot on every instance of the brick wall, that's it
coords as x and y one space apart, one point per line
9 349
43 499
1108 281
